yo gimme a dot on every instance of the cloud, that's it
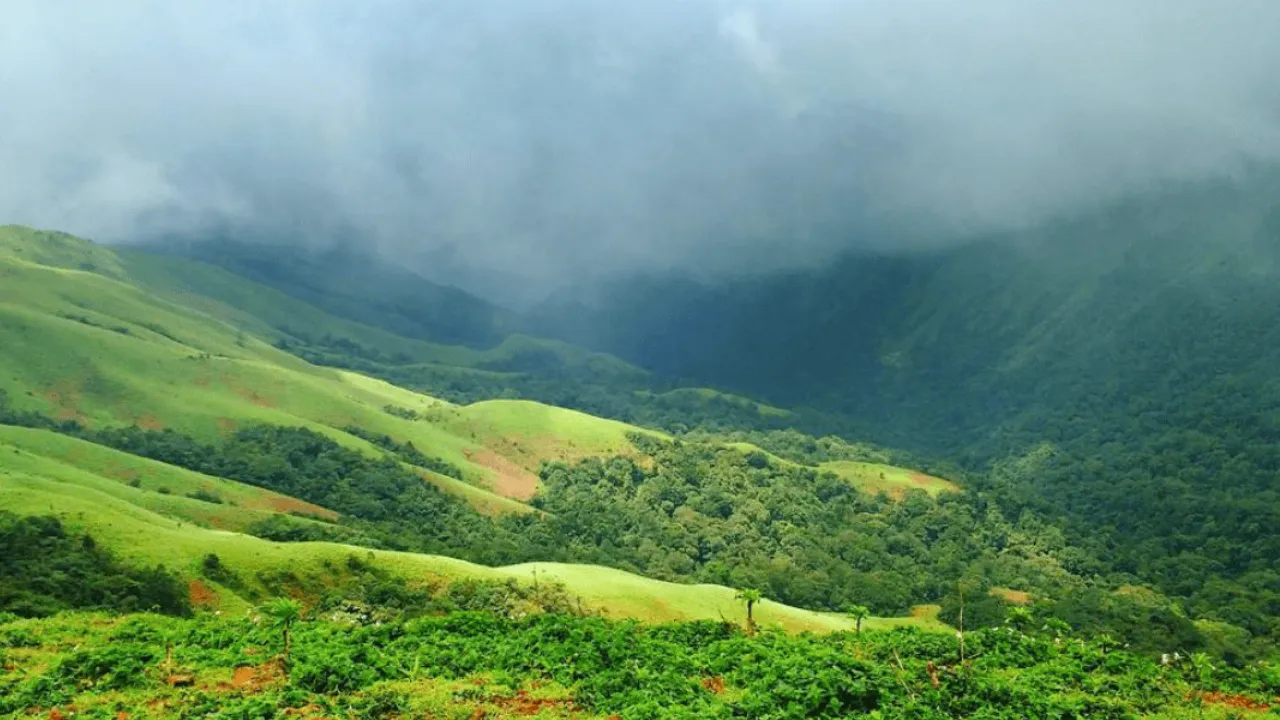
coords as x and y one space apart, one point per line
544 141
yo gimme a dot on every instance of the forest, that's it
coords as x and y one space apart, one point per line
701 512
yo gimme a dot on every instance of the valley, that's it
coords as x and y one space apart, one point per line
237 446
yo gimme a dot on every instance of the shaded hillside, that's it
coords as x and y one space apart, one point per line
349 282
940 349
1118 369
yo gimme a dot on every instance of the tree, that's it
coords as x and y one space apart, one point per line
750 596
283 614
858 613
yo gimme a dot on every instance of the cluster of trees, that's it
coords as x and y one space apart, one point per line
406 451
385 503
45 569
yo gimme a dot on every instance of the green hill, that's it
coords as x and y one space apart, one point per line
97 340
196 368
148 528
102 351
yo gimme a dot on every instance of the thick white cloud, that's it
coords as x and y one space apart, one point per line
548 139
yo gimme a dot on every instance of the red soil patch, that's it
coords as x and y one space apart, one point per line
1238 702
921 480
510 480
201 595
522 704
285 504
242 676
65 399
247 678
149 422
256 398
226 425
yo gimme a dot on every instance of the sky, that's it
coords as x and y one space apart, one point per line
517 146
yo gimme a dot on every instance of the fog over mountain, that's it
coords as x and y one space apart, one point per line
517 146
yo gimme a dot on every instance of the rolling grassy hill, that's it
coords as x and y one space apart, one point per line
101 351
83 338
149 528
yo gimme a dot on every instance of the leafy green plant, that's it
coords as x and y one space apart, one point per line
858 613
749 597
282 614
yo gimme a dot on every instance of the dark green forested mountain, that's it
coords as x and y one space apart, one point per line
1125 363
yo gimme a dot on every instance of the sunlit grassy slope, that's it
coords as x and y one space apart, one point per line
146 483
106 508
79 345
894 481
867 476
81 338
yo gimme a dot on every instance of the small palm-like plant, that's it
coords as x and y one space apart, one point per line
283 614
858 613
1020 619
750 596
1106 643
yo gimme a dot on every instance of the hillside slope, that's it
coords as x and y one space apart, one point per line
118 516
94 348
85 344
1117 370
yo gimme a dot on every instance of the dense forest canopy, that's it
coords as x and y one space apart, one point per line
696 511
1110 374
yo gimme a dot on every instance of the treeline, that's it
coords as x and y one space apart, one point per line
45 569
384 503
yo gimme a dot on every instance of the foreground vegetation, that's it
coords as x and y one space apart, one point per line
283 661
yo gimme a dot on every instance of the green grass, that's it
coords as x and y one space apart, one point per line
85 346
703 395
145 483
57 249
79 341
79 345
145 536
894 481
272 313
625 595
869 477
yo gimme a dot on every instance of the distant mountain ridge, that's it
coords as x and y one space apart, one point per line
354 283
